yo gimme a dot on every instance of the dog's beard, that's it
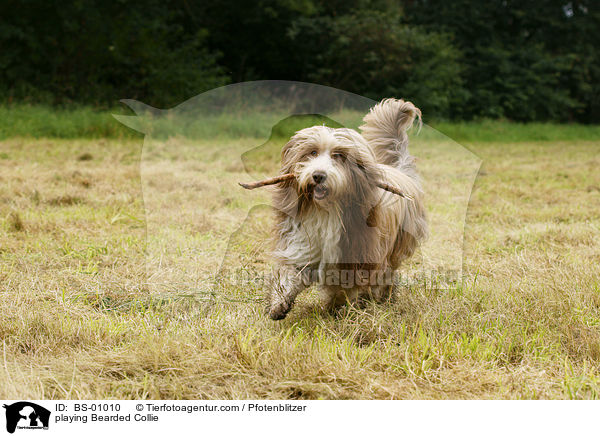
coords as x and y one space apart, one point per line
323 193
345 205
319 192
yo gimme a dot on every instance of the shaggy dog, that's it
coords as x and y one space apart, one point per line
335 225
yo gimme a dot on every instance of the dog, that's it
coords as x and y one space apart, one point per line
334 224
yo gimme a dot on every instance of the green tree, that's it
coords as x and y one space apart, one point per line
94 51
531 60
374 54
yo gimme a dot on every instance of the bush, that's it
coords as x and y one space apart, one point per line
99 52
375 55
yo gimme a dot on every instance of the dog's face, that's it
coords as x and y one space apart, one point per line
330 164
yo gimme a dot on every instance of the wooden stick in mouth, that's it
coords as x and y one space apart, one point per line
271 181
283 178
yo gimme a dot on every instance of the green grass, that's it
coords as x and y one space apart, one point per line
511 132
81 320
36 121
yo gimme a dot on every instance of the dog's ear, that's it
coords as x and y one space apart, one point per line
285 151
289 156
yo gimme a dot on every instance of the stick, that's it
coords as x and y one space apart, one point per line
283 178
271 181
393 190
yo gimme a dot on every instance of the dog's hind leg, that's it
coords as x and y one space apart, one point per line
286 283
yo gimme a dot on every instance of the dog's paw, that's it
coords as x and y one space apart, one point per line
279 310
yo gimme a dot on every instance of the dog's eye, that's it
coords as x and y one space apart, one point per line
314 153
338 156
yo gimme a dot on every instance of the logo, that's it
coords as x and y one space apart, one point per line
267 113
26 415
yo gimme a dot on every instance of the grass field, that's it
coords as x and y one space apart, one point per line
79 319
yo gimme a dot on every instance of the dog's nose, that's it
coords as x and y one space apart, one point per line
319 176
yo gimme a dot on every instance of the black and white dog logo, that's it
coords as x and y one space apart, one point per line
26 415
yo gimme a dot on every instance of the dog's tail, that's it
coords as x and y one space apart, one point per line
385 129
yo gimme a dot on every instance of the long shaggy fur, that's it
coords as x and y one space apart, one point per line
334 225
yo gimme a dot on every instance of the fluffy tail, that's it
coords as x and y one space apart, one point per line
385 129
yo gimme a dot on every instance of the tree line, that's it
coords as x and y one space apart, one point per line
458 60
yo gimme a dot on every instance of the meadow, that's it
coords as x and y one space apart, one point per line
80 319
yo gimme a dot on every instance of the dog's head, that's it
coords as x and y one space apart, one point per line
330 165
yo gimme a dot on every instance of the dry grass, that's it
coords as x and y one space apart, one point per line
80 320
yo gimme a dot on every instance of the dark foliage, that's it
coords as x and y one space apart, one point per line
521 60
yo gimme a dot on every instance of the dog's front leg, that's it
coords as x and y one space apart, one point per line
287 282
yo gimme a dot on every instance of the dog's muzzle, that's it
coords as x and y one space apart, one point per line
320 191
